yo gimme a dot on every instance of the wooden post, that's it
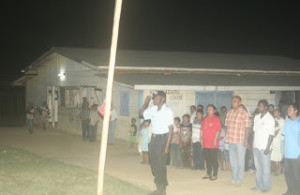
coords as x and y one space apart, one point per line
113 50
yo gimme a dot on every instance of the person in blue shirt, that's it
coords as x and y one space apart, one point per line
291 132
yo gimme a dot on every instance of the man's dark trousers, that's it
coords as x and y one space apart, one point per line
158 160
292 176
85 129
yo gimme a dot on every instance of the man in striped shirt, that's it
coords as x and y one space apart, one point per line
237 122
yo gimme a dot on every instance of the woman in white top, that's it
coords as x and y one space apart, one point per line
277 152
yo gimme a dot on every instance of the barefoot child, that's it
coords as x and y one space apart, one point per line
186 134
221 151
132 132
175 145
94 120
145 141
198 160
277 152
44 111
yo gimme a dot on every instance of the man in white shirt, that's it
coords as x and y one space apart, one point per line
161 117
264 129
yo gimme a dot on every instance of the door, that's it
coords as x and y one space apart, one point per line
217 98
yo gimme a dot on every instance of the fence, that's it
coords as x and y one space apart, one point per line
12 105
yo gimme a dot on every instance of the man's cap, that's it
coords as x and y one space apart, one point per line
159 93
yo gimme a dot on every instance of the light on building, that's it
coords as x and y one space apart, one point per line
61 76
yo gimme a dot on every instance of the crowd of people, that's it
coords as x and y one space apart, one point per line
235 140
266 142
88 115
43 111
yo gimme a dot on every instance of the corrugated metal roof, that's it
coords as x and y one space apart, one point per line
142 58
207 80
138 58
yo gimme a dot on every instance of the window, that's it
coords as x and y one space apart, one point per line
124 103
71 97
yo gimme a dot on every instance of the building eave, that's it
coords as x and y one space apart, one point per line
22 80
216 88
175 70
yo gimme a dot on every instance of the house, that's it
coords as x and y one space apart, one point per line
62 76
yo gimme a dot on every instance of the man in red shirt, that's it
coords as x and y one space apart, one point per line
237 122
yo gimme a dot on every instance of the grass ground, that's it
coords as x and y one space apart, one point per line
22 172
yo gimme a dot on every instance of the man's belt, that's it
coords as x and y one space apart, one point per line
160 135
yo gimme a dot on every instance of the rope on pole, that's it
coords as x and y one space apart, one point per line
113 51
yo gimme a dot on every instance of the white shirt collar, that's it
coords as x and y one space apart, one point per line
264 115
162 107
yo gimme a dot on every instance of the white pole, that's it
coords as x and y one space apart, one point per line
113 50
53 107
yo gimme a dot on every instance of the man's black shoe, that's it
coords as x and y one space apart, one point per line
155 192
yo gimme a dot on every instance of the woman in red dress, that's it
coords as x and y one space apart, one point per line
210 130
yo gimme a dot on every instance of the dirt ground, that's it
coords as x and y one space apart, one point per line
124 162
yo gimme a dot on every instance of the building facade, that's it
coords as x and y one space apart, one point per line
63 76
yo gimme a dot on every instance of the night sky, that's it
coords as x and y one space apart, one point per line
30 28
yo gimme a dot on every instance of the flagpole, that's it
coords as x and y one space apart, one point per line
110 78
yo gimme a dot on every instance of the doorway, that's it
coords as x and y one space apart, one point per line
217 98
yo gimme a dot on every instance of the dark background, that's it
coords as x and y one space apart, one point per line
30 28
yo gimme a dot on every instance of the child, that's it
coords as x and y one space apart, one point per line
44 111
186 134
175 144
277 153
249 164
30 117
145 141
221 152
132 132
210 130
94 119
222 115
198 161
226 155
85 122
